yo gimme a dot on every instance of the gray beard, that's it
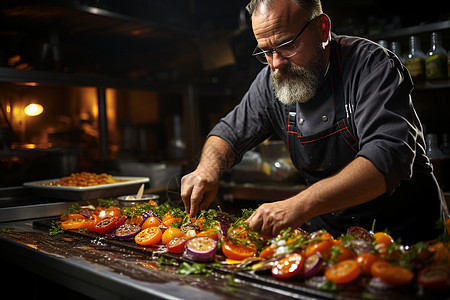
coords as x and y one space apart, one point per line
294 84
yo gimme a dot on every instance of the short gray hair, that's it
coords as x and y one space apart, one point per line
314 6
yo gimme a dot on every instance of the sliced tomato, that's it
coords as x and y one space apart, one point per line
136 219
288 266
323 247
342 253
106 225
383 238
268 251
237 251
343 272
171 221
441 252
92 221
71 216
75 224
212 233
171 233
365 261
113 211
176 245
390 274
120 221
435 278
151 222
149 236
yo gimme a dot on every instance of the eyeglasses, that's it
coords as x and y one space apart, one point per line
286 50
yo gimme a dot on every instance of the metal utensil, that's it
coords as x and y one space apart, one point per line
140 192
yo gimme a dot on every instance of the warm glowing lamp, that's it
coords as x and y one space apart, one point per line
33 109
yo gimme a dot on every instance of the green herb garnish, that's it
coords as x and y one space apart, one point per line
56 229
194 269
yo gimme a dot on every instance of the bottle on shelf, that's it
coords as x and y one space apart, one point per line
395 47
436 61
433 150
415 61
383 43
444 146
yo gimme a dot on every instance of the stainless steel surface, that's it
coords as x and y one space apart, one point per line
101 270
16 203
33 211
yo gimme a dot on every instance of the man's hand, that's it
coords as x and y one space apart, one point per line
271 218
199 188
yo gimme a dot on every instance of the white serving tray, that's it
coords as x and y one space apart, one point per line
128 186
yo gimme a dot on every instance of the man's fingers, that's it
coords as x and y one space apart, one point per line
255 221
185 193
196 199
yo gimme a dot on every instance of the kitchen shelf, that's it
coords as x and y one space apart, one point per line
412 30
431 85
61 78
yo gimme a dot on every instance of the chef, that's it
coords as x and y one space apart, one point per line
343 106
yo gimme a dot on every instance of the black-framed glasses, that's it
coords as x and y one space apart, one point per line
286 50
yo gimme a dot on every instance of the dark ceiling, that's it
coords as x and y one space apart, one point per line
156 40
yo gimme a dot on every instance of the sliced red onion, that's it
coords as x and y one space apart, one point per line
200 249
360 233
127 231
86 212
312 266
147 214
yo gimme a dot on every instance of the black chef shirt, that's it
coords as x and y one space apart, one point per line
377 88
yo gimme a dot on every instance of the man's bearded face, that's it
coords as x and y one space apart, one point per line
295 84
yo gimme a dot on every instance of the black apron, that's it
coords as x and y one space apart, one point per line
325 153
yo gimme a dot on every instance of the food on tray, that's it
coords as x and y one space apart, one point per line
372 259
83 179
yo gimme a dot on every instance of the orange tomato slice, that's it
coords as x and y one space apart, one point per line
75 224
343 272
149 236
365 261
151 222
268 251
169 222
321 247
212 233
71 216
383 238
390 274
171 233
237 251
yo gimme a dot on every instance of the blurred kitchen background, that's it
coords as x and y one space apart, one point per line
133 87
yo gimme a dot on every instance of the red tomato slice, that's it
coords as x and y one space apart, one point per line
177 244
106 225
120 221
288 266
343 272
435 278
149 236
390 274
237 251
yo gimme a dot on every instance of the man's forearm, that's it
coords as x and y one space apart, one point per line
358 182
217 156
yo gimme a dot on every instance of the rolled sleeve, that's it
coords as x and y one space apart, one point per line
386 122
